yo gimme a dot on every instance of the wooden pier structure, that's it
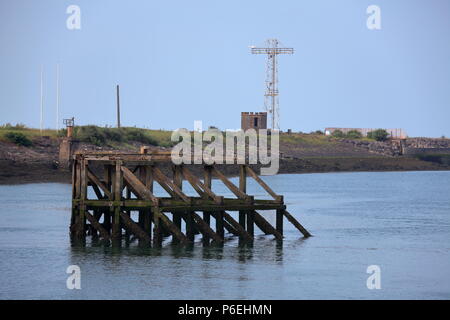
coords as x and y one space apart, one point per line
123 184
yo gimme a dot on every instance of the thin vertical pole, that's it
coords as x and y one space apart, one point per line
42 101
118 106
57 97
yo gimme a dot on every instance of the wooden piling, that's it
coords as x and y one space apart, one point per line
136 173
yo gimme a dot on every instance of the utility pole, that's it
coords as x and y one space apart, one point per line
42 102
271 96
57 97
118 107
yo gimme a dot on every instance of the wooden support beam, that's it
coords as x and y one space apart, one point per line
148 180
97 214
190 226
242 217
138 187
116 234
242 178
203 189
250 222
279 221
176 217
157 231
241 231
207 180
252 173
170 226
81 229
243 214
226 225
229 184
74 173
205 229
94 222
134 228
163 180
93 178
219 215
97 191
266 227
207 220
78 179
296 224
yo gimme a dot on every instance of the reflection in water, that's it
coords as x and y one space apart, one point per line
266 248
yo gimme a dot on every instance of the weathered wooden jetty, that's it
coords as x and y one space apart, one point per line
123 184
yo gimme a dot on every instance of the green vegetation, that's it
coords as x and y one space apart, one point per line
29 133
100 136
338 134
126 135
378 135
305 139
18 138
352 134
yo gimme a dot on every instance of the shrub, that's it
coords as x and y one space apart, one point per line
91 134
354 134
18 126
113 134
18 138
62 132
338 134
138 135
378 135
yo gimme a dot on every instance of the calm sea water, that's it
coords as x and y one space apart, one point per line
399 221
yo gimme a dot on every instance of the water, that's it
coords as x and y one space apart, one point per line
399 221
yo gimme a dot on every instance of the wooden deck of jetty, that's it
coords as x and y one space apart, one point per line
123 184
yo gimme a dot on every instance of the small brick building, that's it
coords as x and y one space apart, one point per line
253 120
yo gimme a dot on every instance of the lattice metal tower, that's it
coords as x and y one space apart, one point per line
271 104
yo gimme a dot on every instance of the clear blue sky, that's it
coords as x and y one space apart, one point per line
180 61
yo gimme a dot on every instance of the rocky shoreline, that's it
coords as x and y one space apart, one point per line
21 173
39 163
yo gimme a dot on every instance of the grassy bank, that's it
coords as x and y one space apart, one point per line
99 136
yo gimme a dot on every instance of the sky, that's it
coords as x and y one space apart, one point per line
181 61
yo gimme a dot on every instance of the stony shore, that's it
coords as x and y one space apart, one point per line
39 163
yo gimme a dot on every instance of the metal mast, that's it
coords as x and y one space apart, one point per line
118 106
42 102
271 104
57 97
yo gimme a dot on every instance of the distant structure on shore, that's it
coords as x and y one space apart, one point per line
393 133
272 49
253 120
